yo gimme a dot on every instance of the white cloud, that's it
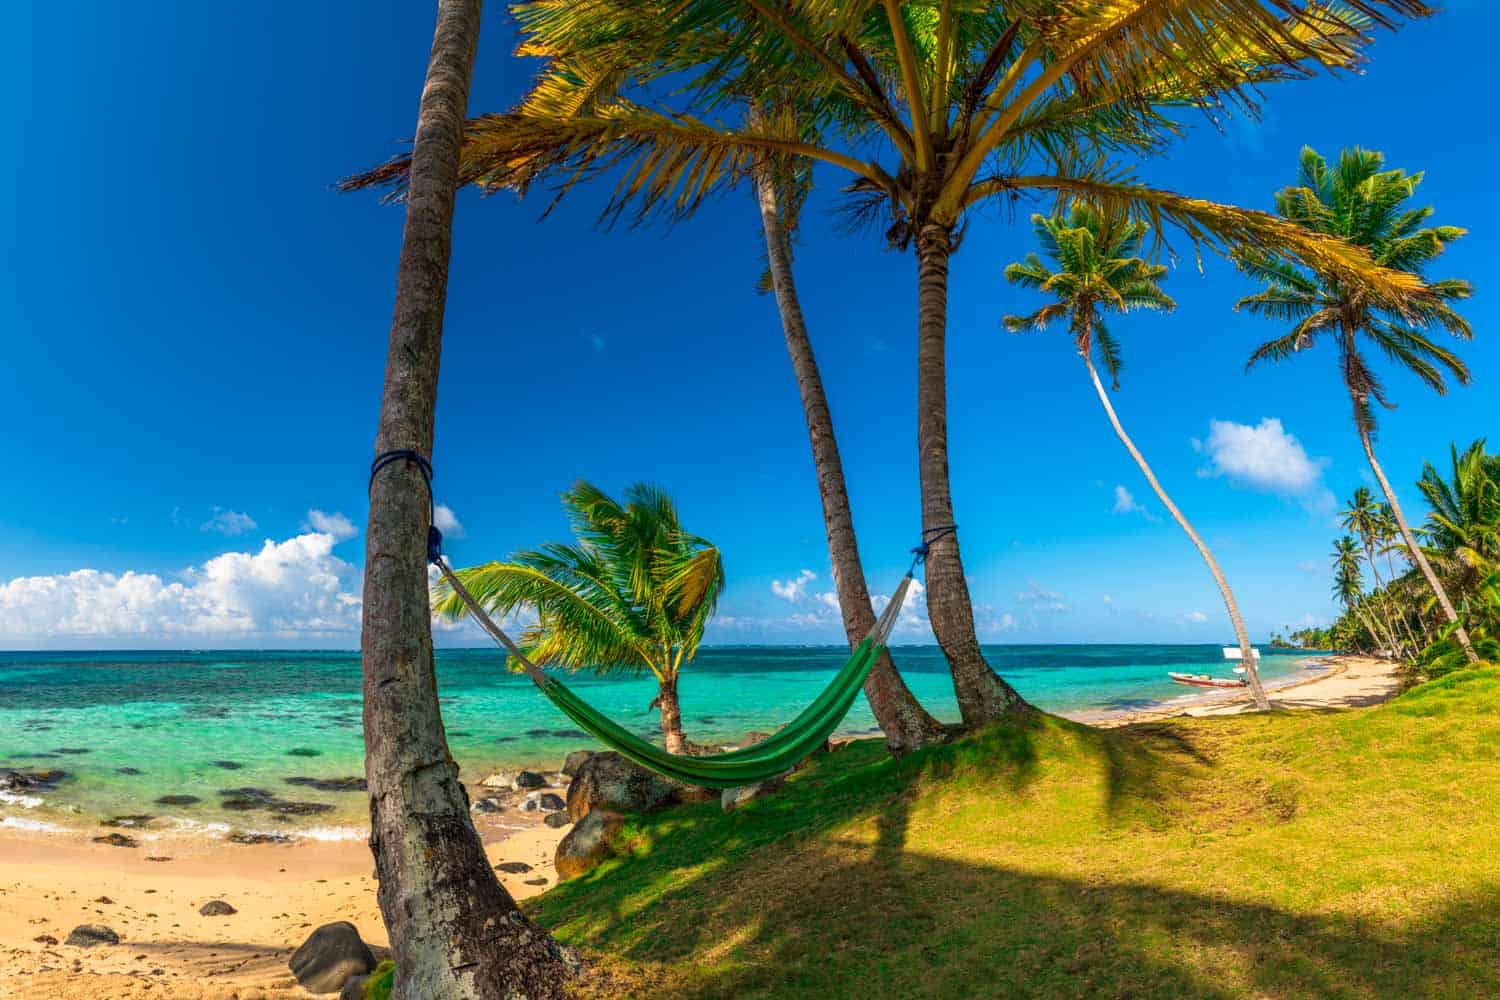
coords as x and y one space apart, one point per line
294 588
335 524
1040 598
447 522
1126 503
1109 599
228 522
830 600
1195 617
793 590
1261 457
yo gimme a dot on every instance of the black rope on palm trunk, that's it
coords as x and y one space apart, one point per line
388 458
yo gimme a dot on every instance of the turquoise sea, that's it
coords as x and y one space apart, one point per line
271 741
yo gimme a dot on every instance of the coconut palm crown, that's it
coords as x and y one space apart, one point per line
632 592
1099 267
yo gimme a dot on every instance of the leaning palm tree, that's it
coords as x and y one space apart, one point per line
932 108
454 930
633 592
1364 204
1096 266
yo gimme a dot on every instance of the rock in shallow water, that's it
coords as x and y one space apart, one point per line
330 957
243 837
178 800
134 821
304 752
88 935
353 784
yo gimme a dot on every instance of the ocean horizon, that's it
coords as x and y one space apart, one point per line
236 743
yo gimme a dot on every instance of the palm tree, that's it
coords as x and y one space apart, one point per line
1360 202
1348 586
1364 518
454 930
1098 266
963 105
906 724
632 592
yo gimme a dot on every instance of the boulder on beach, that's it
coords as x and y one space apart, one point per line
29 779
513 867
588 843
609 781
548 802
488 804
575 760
511 781
556 820
330 957
217 908
88 935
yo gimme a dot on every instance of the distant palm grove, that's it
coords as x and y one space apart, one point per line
922 114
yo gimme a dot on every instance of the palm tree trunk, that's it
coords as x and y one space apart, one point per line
1241 636
982 694
1413 549
671 716
1369 627
1381 607
454 930
906 724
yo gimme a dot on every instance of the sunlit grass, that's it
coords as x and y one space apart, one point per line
1347 854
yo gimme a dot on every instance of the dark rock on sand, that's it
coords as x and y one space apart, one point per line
488 804
514 780
536 881
156 857
217 908
116 840
88 935
557 820
178 800
135 821
45 939
543 801
354 784
331 956
304 752
513 867
588 843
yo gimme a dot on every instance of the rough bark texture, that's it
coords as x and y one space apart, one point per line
671 717
454 931
1412 548
906 724
1241 636
982 694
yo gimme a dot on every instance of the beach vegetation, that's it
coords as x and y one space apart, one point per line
633 591
1096 265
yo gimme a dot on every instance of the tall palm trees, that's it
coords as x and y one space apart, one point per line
1097 265
454 929
1365 519
906 724
633 592
932 108
1348 585
1362 203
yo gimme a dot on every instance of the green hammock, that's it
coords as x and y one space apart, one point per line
774 756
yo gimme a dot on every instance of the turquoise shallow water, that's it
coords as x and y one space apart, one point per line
252 729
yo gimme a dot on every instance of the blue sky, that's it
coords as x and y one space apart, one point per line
195 331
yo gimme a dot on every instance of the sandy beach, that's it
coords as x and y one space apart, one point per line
50 883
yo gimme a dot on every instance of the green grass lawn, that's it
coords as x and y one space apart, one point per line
1311 854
